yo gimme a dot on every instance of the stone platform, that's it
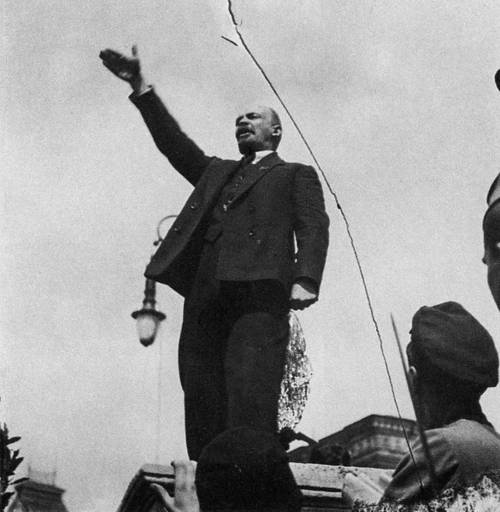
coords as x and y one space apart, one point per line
321 486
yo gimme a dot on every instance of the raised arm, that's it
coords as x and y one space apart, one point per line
184 155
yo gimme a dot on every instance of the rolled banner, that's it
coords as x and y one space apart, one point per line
296 379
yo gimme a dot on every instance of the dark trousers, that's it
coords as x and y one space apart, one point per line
231 354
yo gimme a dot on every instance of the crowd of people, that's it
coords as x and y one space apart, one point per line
251 244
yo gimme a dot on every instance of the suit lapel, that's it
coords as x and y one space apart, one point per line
257 171
217 182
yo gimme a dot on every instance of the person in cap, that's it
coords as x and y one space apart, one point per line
241 470
452 360
491 230
249 244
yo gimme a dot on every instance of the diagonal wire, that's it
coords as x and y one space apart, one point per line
342 213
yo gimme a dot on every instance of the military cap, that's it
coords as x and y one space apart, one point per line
246 469
451 340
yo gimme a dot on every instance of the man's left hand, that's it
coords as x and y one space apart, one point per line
303 294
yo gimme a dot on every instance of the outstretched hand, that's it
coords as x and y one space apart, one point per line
124 67
185 498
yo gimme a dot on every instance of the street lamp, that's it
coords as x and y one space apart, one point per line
148 317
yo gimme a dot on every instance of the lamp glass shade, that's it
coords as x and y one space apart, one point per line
147 327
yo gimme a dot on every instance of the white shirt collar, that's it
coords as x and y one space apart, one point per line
259 155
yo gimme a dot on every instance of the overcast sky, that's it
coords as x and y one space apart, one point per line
398 101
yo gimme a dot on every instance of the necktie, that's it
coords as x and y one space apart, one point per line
231 189
247 159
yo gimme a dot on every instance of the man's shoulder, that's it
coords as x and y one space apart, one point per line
296 165
469 432
275 158
465 426
459 451
475 445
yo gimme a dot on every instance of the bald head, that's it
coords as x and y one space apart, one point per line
274 115
258 128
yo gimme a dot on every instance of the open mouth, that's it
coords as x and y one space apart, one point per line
243 132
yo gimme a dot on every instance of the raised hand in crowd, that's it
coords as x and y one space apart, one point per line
185 498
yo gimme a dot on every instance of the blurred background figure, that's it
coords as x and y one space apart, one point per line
491 230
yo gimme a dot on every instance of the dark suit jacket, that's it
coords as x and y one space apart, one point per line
278 201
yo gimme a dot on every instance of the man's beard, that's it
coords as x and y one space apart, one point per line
245 147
